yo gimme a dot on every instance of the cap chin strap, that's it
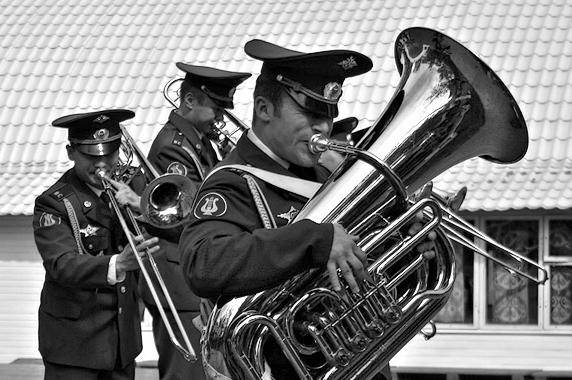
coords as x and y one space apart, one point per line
212 95
297 86
95 142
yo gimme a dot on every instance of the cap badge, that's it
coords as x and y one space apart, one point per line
101 119
101 134
332 91
348 63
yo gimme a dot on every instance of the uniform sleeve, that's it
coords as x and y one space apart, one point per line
168 154
231 254
59 251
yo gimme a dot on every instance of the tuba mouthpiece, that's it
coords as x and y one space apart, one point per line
318 143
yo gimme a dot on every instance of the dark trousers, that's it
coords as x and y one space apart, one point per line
53 371
172 364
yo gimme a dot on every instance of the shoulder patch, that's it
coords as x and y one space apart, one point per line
48 220
62 192
177 168
211 204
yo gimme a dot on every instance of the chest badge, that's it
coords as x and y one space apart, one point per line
89 231
290 215
211 204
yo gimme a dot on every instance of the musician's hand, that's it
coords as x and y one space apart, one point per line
427 246
348 257
125 195
126 260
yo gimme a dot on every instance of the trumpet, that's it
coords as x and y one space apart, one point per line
226 134
165 203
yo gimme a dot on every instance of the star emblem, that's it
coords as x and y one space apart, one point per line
290 215
89 231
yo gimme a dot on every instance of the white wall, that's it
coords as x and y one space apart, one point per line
21 279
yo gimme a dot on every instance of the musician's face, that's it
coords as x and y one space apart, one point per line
293 126
205 112
86 165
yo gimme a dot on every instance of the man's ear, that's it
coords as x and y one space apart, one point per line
263 108
188 100
70 151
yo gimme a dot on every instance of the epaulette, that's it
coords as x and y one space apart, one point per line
61 192
177 139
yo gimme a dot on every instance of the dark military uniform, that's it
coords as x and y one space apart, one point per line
179 149
240 239
83 320
234 266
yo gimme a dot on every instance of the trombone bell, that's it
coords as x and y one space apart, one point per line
166 201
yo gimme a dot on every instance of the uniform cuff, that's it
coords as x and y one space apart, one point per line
112 277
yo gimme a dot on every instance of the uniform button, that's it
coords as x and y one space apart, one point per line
120 310
122 289
120 248
198 146
90 246
87 204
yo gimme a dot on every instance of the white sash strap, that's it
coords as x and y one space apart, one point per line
294 185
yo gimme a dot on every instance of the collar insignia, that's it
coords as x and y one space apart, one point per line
290 215
89 231
348 63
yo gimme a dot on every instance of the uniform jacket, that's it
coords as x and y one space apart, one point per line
177 149
83 321
226 251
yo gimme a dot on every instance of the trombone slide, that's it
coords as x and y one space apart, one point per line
188 352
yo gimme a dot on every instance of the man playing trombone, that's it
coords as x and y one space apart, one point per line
183 147
89 320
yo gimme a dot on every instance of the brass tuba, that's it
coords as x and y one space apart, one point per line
449 106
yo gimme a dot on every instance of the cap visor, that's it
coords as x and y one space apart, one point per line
101 149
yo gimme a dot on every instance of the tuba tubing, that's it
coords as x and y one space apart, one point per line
448 107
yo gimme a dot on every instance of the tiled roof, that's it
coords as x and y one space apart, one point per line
61 57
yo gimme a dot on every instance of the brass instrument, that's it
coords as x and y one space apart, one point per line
166 199
449 106
227 135
165 203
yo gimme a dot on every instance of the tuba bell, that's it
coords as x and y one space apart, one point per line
448 107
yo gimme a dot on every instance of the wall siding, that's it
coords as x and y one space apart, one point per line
21 278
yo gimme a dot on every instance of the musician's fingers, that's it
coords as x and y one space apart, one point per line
333 274
348 275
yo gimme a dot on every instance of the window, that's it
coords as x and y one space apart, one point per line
459 307
487 296
559 260
511 299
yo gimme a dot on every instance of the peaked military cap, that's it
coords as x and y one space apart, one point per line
95 133
342 129
313 80
219 85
